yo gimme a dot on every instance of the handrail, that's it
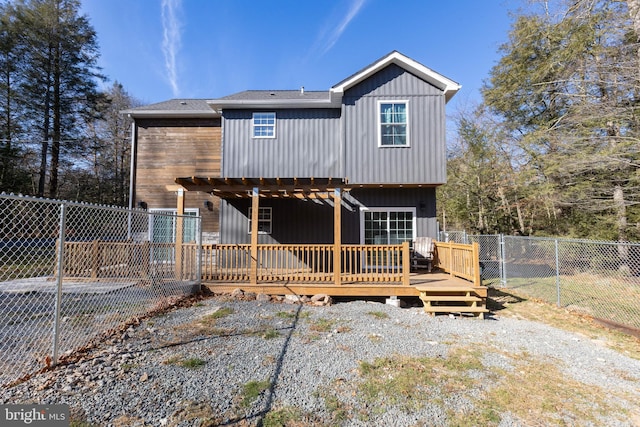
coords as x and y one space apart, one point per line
458 259
304 263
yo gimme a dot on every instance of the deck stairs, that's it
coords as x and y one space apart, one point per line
454 299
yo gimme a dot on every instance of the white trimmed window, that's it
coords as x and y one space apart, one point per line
264 125
393 119
264 220
387 226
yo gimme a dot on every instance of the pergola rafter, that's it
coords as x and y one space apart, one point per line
277 188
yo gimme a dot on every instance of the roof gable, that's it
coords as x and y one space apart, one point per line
448 86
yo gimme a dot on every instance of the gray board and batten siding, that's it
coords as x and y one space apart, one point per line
307 144
311 221
343 143
340 143
424 161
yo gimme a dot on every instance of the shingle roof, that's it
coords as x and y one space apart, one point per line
179 105
173 108
292 98
278 95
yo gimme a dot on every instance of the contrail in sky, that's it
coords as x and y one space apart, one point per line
336 32
171 40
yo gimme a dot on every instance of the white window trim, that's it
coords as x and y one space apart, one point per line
253 124
270 210
379 121
364 209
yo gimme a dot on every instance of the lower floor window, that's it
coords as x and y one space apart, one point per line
264 220
387 226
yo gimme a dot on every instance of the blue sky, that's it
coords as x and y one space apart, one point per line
163 49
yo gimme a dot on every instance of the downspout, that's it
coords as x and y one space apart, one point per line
132 179
132 173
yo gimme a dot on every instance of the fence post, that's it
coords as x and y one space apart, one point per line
503 263
557 274
56 318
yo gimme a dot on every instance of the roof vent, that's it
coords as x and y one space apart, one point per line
301 90
183 102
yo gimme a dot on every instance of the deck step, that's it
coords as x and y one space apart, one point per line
461 298
454 309
454 299
449 290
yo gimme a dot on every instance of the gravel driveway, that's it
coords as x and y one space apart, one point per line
226 361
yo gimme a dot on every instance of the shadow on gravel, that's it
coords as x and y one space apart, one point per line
258 416
497 299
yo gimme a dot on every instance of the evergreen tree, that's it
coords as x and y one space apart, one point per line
567 89
12 176
59 79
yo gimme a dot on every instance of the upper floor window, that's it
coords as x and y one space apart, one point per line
264 125
393 130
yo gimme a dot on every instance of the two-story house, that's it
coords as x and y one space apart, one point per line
379 133
355 165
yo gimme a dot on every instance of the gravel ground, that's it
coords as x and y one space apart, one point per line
192 367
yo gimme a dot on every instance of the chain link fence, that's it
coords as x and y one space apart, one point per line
69 272
599 279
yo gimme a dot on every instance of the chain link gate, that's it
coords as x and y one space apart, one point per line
69 272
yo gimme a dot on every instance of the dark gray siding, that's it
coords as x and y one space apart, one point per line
424 161
297 221
307 144
423 199
294 221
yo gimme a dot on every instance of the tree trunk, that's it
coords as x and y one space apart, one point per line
44 147
57 109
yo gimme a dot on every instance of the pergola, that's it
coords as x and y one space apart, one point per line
275 188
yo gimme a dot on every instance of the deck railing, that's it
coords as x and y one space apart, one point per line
303 263
99 259
457 259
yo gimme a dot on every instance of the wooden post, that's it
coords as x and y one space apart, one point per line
337 236
95 259
179 233
451 259
406 264
475 259
145 262
255 206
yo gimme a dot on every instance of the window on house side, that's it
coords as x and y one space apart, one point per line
264 220
264 125
393 124
387 226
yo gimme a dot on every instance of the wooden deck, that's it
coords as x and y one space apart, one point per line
362 270
417 279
